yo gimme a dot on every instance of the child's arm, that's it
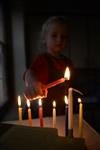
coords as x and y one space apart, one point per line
33 87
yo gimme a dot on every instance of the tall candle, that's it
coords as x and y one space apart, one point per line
40 113
70 112
80 117
66 115
54 114
19 110
29 113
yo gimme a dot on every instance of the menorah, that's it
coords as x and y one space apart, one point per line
69 113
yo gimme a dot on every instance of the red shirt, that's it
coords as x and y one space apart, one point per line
47 69
42 63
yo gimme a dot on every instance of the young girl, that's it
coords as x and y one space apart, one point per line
50 66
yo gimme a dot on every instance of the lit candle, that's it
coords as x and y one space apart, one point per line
19 110
54 114
66 115
40 113
59 81
70 112
29 113
80 117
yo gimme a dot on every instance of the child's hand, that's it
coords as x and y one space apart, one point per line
40 89
36 89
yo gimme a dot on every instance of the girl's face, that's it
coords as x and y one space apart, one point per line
56 38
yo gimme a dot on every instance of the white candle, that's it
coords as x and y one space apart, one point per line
19 110
29 113
54 114
70 111
66 115
80 117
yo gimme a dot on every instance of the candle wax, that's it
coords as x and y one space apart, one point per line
54 117
41 116
80 119
20 115
29 117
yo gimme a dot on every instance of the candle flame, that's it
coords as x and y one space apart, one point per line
19 101
66 100
54 103
28 103
40 102
67 74
79 100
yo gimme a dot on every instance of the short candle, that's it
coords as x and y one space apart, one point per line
29 113
80 117
19 110
40 113
54 114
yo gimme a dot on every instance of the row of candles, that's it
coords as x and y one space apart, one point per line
68 106
29 112
67 125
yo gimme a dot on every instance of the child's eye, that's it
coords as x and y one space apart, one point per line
64 37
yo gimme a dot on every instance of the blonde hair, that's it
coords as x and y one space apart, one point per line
45 27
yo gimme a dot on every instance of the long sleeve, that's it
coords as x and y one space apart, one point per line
39 67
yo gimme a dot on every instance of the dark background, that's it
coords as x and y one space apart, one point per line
20 25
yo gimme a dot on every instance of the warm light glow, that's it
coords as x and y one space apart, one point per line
67 74
66 100
79 100
19 101
40 102
38 97
28 103
54 103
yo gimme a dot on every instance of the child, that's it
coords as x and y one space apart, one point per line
50 66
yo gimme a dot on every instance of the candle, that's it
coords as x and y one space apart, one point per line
56 83
59 81
80 117
70 112
29 113
40 113
66 115
54 114
19 110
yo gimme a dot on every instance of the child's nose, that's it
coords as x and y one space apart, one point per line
59 39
